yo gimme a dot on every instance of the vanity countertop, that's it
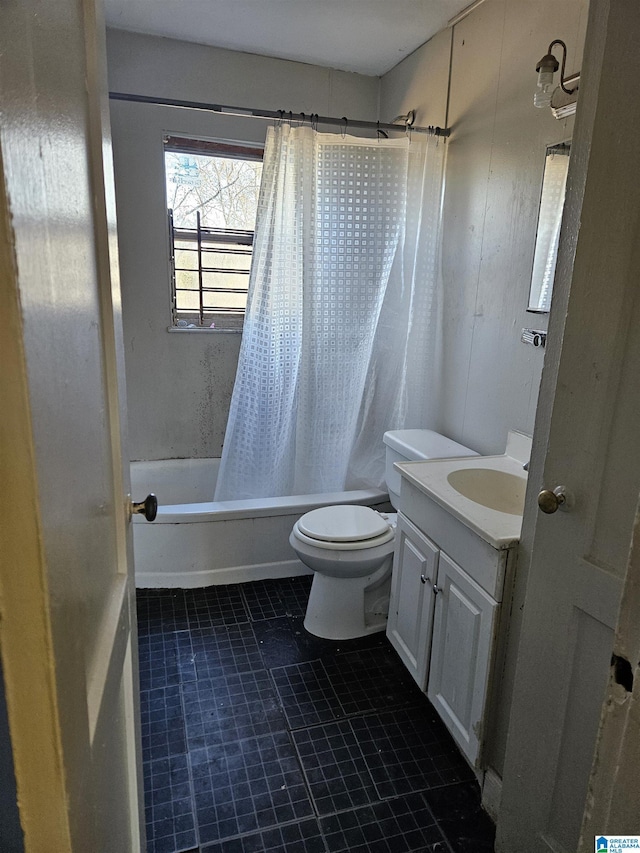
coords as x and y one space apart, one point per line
497 483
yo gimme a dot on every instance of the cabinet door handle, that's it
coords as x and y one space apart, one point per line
423 579
436 589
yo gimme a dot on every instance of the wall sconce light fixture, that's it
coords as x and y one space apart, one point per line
546 68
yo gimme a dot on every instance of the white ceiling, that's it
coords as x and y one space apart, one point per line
367 36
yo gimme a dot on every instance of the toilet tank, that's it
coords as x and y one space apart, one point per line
411 445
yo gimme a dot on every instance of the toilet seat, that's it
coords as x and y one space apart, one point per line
344 528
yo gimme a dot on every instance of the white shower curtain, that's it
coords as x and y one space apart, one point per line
341 335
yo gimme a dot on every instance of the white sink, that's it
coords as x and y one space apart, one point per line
485 493
499 490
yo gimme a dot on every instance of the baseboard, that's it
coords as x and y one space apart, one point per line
492 794
214 577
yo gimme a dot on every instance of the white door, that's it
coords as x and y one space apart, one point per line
586 439
614 787
66 591
410 622
463 629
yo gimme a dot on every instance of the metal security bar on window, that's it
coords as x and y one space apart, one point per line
210 273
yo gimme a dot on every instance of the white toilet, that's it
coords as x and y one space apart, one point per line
350 548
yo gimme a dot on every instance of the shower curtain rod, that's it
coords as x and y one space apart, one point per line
279 115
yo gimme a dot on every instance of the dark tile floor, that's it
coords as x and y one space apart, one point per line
258 736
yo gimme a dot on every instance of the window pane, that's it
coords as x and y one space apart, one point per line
186 280
224 300
238 282
223 190
186 260
187 300
191 245
226 261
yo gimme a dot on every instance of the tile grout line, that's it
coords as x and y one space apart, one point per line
437 823
318 818
211 844
307 784
196 827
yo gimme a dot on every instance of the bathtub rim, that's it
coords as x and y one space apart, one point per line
213 511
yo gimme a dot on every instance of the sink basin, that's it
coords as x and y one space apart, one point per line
499 490
485 493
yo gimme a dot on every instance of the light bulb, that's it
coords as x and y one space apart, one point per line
542 96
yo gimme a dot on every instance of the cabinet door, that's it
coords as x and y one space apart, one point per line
464 621
415 564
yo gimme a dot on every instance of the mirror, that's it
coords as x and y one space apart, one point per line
554 181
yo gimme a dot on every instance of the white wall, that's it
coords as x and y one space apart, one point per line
179 384
494 174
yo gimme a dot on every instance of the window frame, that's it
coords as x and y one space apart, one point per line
236 239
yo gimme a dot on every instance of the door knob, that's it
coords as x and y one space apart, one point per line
424 579
148 507
550 501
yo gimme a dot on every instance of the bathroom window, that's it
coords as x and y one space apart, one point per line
212 198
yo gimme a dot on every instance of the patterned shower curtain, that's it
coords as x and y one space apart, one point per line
341 337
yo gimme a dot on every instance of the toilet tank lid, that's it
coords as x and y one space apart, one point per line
424 444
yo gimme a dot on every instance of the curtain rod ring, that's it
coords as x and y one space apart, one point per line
343 131
380 132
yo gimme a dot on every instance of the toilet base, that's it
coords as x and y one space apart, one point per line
346 608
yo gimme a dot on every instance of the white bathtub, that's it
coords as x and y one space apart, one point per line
196 541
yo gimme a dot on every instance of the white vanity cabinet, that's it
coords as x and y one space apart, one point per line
443 613
463 630
411 606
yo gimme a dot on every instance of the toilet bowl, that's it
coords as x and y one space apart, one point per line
350 548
